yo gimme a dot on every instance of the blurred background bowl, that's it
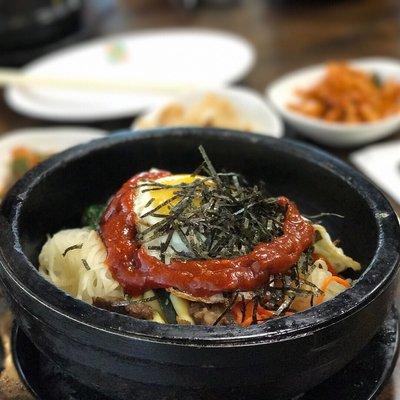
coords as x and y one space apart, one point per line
48 141
282 92
249 104
30 27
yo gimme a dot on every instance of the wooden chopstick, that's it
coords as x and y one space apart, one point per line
10 76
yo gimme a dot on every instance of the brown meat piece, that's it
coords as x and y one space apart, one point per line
207 314
136 310
140 310
107 304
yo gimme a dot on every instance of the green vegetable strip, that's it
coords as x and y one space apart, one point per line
167 308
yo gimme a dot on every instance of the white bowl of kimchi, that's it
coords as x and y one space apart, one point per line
309 102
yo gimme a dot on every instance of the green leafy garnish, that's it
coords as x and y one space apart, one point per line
92 215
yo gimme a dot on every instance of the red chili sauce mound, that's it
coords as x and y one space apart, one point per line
137 271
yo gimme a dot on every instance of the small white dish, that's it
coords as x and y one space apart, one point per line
282 92
194 56
250 105
49 140
381 163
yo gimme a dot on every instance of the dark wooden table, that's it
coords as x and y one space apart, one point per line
287 34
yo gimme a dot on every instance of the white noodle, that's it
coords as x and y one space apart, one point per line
69 273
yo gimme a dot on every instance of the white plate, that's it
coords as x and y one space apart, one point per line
43 140
282 92
249 104
381 163
212 58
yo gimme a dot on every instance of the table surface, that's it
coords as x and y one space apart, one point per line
287 34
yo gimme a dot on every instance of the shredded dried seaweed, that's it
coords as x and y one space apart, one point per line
228 308
85 264
73 247
278 294
218 215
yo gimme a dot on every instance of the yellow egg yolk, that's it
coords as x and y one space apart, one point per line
162 195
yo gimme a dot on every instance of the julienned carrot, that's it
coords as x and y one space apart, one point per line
246 320
326 283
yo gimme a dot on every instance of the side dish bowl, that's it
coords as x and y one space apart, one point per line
254 110
48 140
120 356
282 92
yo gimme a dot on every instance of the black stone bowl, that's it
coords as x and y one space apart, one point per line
122 357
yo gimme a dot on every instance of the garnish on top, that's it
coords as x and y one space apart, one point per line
215 215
